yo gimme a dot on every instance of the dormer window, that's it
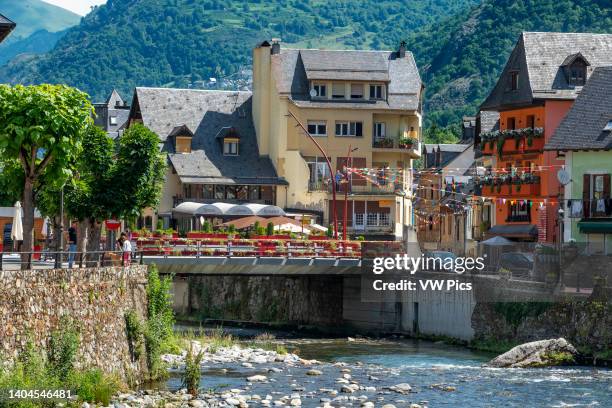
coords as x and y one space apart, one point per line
575 68
320 90
230 148
182 139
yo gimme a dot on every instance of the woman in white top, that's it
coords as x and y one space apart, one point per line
127 249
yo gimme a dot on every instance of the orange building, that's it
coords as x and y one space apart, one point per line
544 74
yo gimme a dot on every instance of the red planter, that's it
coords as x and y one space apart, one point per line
205 235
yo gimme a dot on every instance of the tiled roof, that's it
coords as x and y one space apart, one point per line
448 152
583 126
546 53
205 113
292 69
540 60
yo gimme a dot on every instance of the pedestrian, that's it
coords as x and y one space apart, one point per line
127 249
72 243
338 179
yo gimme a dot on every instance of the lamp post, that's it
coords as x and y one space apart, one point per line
331 172
347 163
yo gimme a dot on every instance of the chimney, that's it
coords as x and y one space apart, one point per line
401 53
275 46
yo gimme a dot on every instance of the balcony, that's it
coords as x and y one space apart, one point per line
354 189
408 145
524 186
518 141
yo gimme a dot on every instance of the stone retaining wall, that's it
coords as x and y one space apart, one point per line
33 302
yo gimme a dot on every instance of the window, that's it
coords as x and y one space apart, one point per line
319 170
254 193
384 219
514 77
317 128
511 124
519 211
338 90
230 192
230 148
242 193
356 91
219 192
208 192
577 74
376 91
372 219
359 220
530 121
113 120
321 90
349 129
379 131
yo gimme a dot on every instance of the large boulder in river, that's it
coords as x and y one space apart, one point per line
539 353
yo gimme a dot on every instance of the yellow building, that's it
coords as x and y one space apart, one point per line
368 101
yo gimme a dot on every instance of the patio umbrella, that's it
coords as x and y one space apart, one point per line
17 230
316 227
289 227
497 241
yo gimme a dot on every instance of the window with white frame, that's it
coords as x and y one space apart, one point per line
356 91
383 219
372 219
230 148
359 220
379 131
338 90
376 91
113 120
317 128
320 90
349 129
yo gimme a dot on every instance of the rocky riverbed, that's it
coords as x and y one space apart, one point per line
272 379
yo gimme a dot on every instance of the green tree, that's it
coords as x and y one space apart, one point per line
42 127
270 229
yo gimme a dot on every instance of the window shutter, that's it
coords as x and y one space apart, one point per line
586 195
358 163
359 129
606 185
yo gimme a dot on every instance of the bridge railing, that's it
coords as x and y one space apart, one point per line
45 259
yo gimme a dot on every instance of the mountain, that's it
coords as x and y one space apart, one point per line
39 26
460 58
128 43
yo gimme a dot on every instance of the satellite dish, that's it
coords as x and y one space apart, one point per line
564 177
313 93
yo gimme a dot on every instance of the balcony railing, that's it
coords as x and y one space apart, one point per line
407 143
526 185
369 189
512 141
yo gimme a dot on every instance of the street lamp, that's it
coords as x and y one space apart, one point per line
331 172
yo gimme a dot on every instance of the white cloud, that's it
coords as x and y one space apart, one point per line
81 7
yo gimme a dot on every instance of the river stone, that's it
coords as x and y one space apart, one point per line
540 353
314 372
257 378
296 402
196 404
367 404
232 401
403 388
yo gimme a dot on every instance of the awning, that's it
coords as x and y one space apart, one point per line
523 231
595 227
226 209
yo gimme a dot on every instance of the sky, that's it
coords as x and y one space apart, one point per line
81 7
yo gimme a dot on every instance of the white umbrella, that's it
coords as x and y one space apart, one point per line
17 230
291 228
316 227
45 227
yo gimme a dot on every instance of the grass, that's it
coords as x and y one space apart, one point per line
493 346
218 338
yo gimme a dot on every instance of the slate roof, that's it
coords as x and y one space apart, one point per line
294 68
449 152
114 106
539 58
489 121
205 113
6 26
583 126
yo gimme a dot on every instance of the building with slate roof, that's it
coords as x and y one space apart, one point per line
112 114
542 77
368 100
583 140
6 26
212 151
443 215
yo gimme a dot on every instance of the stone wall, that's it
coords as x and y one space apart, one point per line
309 300
586 324
33 302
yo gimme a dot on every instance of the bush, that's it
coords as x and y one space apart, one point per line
270 229
95 386
193 372
160 224
231 229
134 331
206 227
62 349
159 323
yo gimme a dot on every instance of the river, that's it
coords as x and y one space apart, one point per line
440 376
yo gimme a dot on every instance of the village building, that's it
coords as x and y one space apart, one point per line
583 141
112 115
364 109
6 26
543 76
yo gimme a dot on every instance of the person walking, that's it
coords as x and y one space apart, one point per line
72 243
127 249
